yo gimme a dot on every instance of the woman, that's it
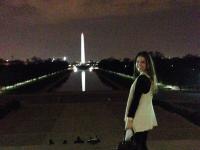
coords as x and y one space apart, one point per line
139 115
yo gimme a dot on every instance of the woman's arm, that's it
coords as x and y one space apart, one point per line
143 85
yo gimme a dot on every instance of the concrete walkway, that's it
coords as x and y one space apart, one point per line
31 127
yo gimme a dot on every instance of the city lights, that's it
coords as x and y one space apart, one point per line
91 69
75 69
64 58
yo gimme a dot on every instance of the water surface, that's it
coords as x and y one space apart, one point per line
74 83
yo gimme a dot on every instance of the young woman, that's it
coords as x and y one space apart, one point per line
139 115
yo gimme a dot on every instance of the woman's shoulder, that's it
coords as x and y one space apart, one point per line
144 78
143 83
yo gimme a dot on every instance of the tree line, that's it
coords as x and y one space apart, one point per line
183 72
15 71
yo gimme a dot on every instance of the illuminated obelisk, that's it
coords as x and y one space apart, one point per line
82 49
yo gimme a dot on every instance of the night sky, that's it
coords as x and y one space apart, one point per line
112 28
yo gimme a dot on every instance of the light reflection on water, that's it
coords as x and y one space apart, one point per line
83 81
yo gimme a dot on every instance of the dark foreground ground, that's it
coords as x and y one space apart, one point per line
64 116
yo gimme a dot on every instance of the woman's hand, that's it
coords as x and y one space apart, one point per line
129 123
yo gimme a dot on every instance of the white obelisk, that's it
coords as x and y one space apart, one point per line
82 49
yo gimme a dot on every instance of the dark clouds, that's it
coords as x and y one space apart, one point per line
56 11
117 28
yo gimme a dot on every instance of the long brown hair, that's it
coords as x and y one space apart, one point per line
150 69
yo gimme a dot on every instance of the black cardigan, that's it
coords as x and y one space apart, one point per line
143 85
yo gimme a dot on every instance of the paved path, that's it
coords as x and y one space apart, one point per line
35 123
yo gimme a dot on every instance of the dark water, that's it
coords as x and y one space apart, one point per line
82 80
77 79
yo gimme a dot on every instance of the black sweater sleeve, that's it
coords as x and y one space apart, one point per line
142 86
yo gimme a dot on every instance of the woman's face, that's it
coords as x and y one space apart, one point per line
141 64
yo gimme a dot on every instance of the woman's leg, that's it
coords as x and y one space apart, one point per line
141 140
